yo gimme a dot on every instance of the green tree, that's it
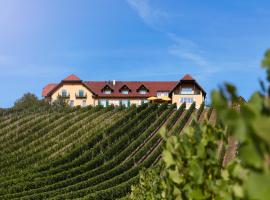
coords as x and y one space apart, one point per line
28 100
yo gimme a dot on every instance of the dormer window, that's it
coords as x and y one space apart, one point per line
142 90
107 90
124 90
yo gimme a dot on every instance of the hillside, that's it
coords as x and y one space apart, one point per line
87 153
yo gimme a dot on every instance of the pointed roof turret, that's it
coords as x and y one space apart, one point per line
72 77
187 77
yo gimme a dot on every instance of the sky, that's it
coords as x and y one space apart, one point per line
214 41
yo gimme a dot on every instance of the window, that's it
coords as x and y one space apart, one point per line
186 91
124 92
107 91
114 102
64 93
186 100
124 89
81 93
103 103
162 94
71 103
83 103
142 91
125 103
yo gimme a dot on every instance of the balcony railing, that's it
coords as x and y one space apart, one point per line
64 96
84 96
190 93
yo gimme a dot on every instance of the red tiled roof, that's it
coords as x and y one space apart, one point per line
187 77
96 87
152 86
48 88
72 77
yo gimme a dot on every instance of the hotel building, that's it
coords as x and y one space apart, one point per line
83 93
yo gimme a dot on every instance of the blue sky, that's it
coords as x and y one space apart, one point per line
215 41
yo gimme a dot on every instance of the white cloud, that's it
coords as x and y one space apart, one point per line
183 48
187 49
149 14
182 53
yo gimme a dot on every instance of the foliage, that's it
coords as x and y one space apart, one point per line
60 102
201 108
189 169
191 166
28 100
149 187
266 63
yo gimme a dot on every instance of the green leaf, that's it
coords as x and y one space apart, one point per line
163 132
249 155
168 158
236 170
175 176
258 186
238 191
196 194
225 175
219 102
261 127
256 103
195 171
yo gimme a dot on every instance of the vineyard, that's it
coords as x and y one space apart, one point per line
85 153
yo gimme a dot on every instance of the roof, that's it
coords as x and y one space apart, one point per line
48 88
72 77
96 87
152 86
187 77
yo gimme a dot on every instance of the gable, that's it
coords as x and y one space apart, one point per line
124 87
72 89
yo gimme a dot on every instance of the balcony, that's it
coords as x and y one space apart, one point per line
64 96
81 96
187 93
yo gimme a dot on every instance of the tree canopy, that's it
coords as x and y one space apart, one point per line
28 100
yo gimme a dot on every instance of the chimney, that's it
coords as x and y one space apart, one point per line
114 81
